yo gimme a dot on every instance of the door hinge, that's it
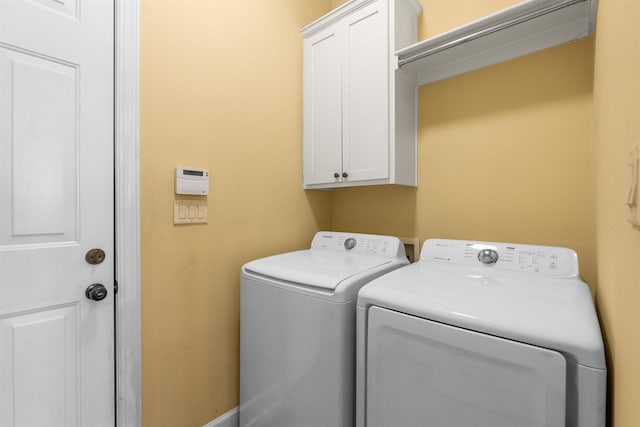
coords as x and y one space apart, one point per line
115 286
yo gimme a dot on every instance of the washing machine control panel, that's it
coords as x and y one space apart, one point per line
370 244
547 260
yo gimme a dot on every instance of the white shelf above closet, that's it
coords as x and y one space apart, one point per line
525 28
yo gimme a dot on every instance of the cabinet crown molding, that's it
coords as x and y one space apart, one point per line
345 9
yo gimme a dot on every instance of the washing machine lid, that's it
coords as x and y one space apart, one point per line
334 257
316 268
554 312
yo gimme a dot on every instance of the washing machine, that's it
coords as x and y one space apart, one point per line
480 334
298 329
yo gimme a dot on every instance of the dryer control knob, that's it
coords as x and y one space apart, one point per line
488 256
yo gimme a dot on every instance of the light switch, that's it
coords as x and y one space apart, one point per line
202 212
189 211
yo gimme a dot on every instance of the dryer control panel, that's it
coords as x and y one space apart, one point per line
369 244
547 260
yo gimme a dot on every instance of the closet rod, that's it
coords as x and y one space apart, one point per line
487 31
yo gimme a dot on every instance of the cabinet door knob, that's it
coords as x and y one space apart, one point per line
344 174
336 175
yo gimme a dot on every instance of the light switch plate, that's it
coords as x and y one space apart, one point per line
189 211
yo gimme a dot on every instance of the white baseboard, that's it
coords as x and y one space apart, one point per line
230 419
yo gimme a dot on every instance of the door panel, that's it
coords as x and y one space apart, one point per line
322 107
366 94
56 203
421 370
66 7
39 355
38 160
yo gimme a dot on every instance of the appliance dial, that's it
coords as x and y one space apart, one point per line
488 256
350 243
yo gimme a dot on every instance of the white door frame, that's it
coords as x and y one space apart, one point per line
127 214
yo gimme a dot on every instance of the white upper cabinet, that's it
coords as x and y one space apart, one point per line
359 109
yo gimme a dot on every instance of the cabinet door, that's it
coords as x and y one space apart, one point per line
365 91
322 148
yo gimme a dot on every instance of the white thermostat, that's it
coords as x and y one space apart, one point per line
192 181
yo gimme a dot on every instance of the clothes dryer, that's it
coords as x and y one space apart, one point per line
297 329
480 334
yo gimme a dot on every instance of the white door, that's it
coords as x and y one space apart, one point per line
424 373
56 203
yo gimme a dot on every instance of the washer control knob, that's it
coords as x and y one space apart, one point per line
488 256
350 243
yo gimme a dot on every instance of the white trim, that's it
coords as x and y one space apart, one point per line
127 215
230 419
333 17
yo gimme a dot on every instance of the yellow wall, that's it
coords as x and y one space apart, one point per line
617 107
505 153
221 88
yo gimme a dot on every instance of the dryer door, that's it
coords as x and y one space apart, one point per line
423 373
